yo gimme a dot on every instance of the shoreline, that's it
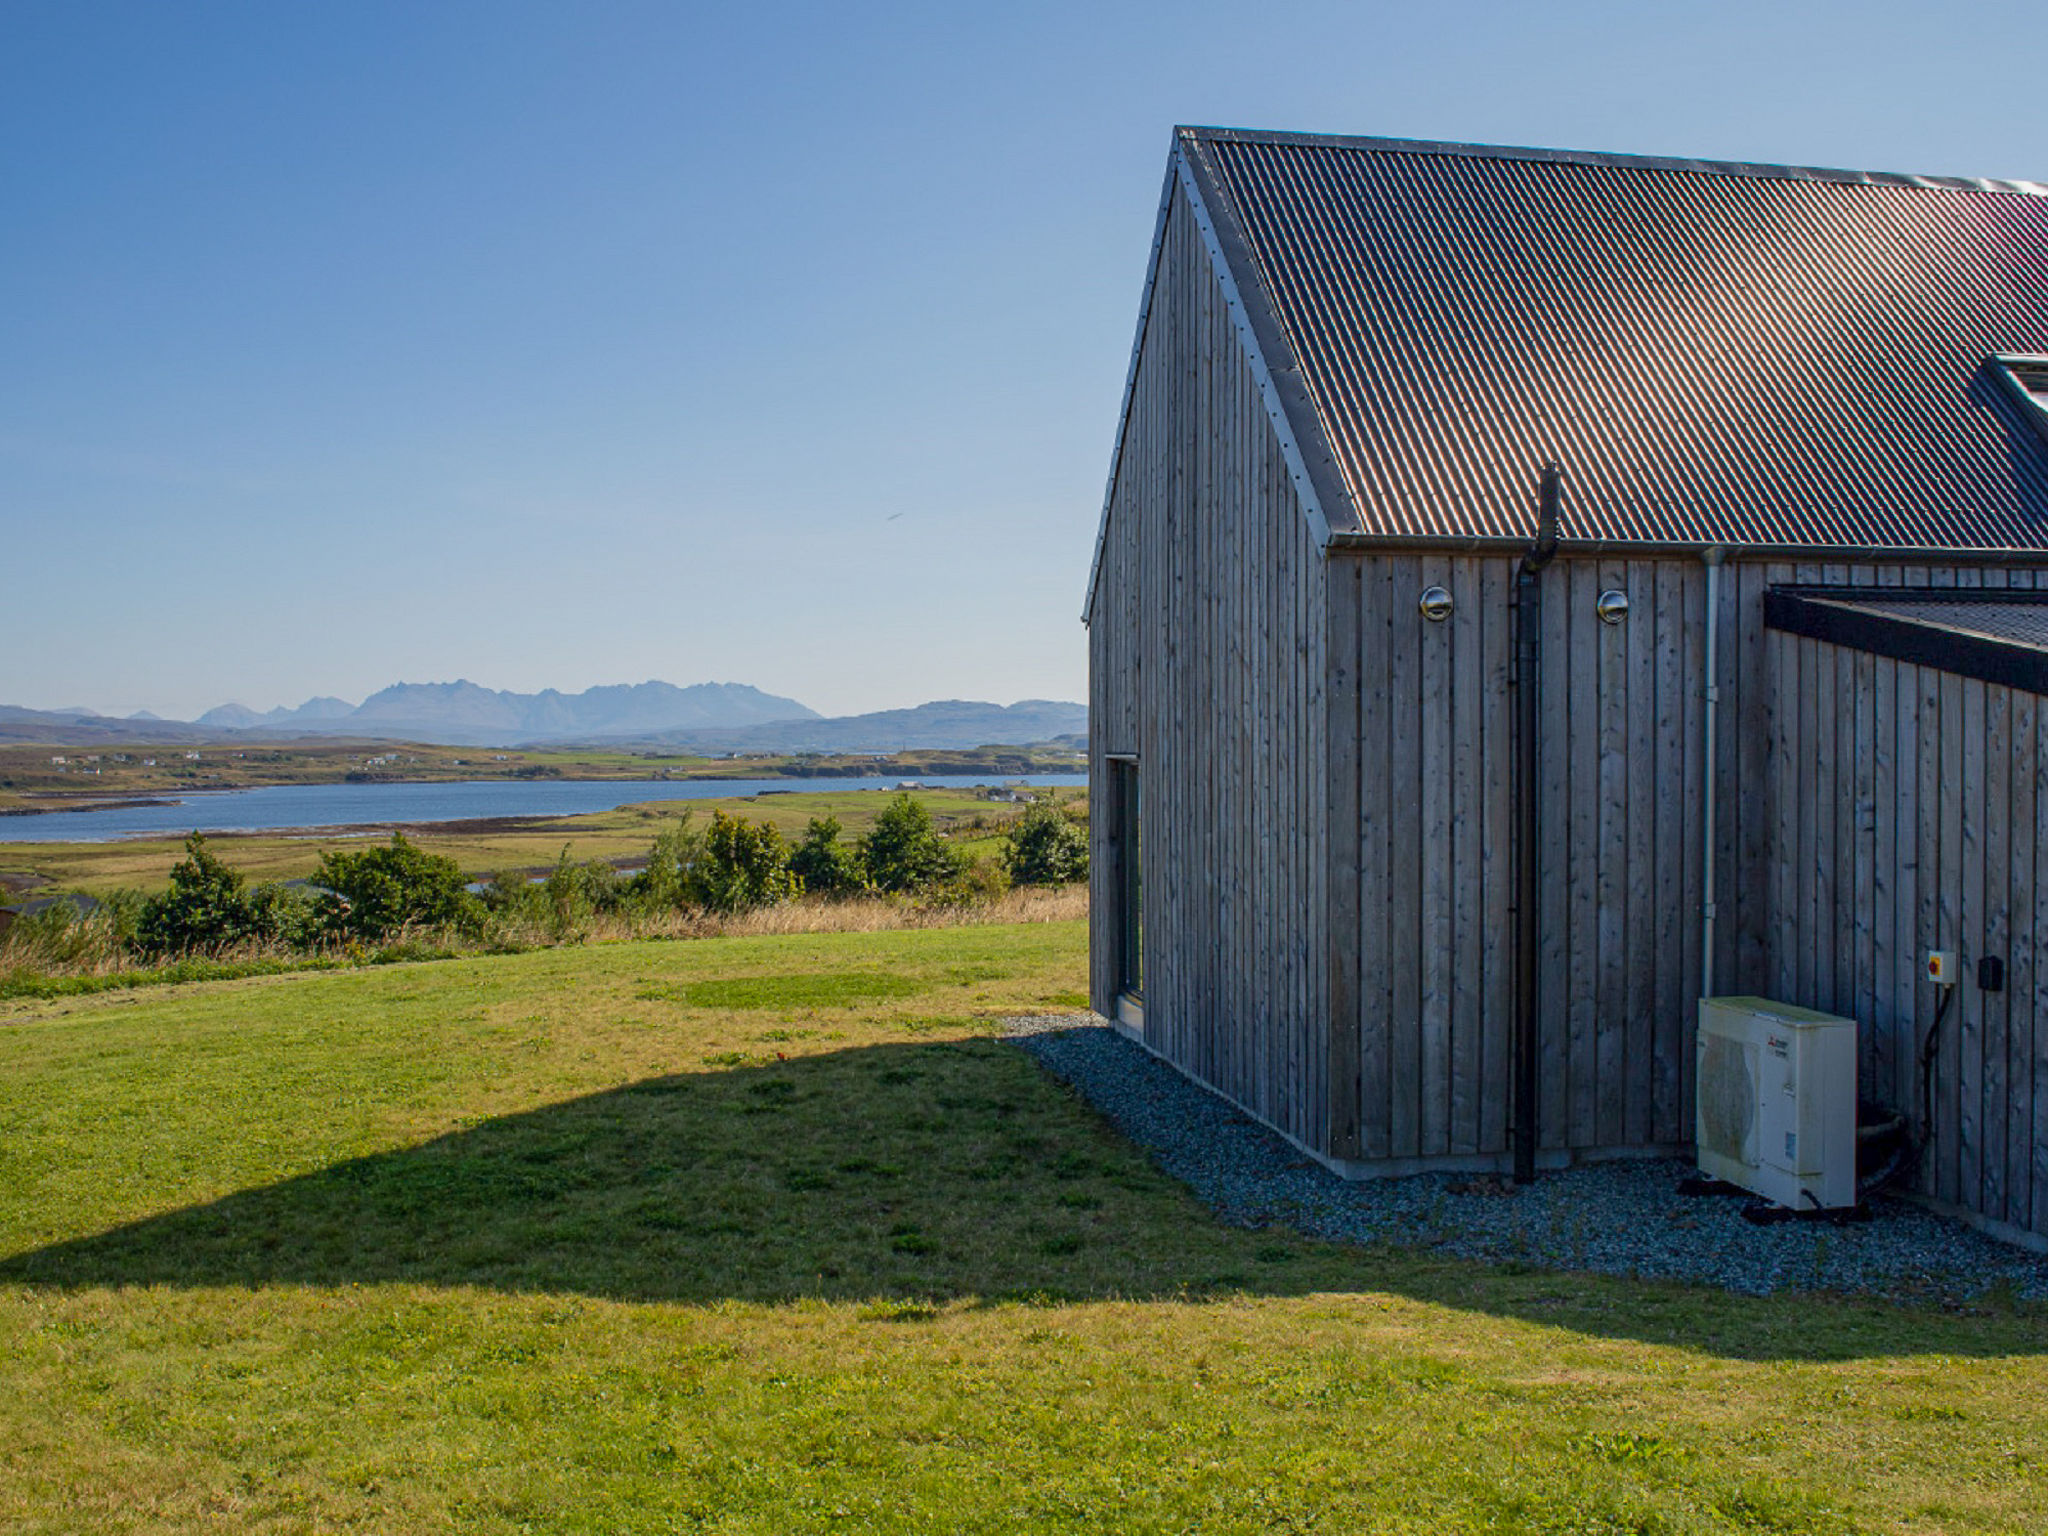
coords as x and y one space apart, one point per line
124 804
80 804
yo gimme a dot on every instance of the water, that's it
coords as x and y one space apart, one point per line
345 805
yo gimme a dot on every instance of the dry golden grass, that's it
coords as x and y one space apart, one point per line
1032 904
36 959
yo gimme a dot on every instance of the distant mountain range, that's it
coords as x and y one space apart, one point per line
464 714
945 724
708 718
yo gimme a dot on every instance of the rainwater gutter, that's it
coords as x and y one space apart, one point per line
1528 624
1673 549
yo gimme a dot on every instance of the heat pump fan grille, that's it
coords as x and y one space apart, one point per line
1727 1099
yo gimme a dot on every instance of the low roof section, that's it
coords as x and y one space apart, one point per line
1995 634
1761 357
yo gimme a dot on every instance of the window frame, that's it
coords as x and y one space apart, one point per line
2009 366
1127 810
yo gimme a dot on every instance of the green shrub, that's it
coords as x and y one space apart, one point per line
1046 846
824 865
572 895
507 891
745 865
203 910
380 890
973 883
903 852
666 883
283 914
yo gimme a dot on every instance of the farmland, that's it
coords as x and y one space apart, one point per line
622 835
42 776
772 1234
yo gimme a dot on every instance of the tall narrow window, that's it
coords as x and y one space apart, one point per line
1128 823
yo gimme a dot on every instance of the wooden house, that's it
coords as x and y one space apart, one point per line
1417 834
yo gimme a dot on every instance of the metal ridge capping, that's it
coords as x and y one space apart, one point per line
1762 361
1604 157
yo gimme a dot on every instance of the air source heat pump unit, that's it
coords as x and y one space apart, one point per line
1776 1101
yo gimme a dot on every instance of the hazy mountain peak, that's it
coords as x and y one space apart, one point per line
231 717
325 707
466 713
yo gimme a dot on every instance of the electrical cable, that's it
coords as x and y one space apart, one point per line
1928 1047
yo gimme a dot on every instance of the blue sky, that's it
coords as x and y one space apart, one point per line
551 345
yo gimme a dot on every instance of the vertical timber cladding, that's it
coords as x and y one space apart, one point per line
1422 768
1909 812
1208 657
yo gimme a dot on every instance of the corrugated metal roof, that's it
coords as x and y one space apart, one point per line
1715 353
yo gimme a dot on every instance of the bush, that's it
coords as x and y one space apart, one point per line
666 884
824 865
381 890
573 894
282 914
204 909
745 865
974 883
904 853
1046 846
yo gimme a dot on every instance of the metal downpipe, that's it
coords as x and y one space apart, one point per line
1713 558
1528 609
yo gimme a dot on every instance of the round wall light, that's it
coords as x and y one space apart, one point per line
1436 604
1612 606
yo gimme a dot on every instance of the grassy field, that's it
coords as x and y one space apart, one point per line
770 1235
144 863
43 774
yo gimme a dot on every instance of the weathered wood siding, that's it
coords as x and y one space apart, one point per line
1864 806
1328 857
1427 980
1909 808
1208 662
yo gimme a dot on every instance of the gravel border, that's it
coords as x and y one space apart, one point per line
1623 1217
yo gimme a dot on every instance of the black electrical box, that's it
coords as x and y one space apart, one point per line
1990 974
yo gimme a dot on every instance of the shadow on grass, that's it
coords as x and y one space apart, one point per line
927 1171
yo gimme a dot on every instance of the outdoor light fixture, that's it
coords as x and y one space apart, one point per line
1436 604
1612 606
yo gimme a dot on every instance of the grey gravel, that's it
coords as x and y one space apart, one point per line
1619 1218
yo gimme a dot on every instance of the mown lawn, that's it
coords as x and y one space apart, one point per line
770 1235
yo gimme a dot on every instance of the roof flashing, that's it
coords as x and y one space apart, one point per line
2025 378
1618 161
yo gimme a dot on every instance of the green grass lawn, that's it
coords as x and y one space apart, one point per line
770 1235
